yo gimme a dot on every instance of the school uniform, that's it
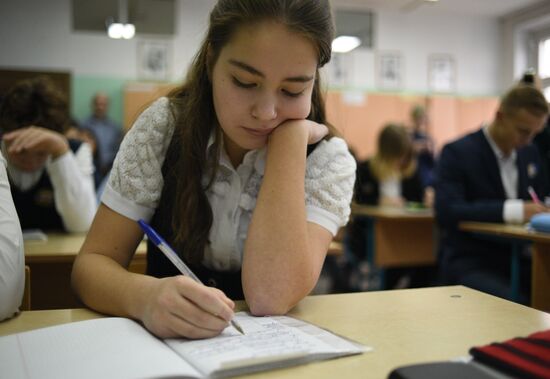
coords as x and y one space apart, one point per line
60 196
137 190
368 187
368 190
469 187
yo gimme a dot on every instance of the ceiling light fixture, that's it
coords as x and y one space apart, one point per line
344 44
121 29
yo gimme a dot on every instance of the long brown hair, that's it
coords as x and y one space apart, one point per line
394 145
194 111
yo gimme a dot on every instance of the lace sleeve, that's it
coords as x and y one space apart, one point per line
135 183
330 176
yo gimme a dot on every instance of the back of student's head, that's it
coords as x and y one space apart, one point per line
37 102
394 152
394 142
418 113
524 97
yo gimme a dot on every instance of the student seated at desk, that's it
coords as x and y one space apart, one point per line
50 176
485 177
12 257
221 169
390 178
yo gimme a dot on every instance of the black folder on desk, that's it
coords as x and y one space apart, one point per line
444 370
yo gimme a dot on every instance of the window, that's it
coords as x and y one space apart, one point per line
544 65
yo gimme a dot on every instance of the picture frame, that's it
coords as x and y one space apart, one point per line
340 70
154 60
390 70
441 73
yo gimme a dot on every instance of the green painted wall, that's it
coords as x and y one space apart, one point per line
84 88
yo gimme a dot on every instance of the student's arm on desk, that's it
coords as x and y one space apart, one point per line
168 307
74 193
284 253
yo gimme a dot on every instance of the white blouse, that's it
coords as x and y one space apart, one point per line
136 182
12 257
71 175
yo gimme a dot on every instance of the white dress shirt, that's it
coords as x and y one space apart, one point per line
72 180
512 211
391 187
12 257
135 185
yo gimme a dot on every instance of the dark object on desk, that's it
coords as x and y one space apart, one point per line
440 370
523 357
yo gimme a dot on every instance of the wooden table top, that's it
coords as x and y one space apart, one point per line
62 247
395 213
403 326
505 230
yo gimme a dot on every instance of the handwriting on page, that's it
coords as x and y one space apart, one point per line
264 338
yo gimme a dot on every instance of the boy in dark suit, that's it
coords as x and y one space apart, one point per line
484 176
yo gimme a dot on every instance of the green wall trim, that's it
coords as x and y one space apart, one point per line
84 88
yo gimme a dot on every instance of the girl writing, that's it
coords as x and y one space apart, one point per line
220 168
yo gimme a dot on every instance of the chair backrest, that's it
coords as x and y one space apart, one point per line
26 304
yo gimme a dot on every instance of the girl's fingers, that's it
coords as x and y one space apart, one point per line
178 327
195 315
224 298
206 298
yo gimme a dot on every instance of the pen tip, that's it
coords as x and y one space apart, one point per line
237 326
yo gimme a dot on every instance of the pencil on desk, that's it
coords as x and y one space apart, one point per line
176 261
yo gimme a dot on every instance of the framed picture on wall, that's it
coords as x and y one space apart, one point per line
153 60
441 73
390 70
340 70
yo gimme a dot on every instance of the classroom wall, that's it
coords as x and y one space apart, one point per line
359 116
472 41
38 34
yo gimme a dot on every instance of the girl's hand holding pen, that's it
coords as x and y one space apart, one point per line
180 307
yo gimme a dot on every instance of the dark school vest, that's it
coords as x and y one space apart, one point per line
36 206
159 266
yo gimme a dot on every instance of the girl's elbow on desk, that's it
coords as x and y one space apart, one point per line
266 299
267 305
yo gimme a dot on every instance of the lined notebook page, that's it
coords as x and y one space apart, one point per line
102 348
266 340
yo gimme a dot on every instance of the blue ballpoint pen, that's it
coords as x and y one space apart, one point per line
163 246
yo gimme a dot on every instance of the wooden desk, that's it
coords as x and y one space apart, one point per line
51 263
403 326
398 237
540 268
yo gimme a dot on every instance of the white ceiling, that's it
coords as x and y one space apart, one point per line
489 8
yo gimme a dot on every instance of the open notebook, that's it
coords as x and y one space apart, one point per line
121 348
